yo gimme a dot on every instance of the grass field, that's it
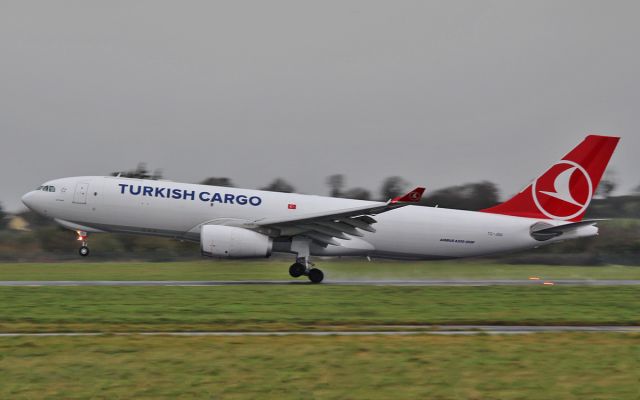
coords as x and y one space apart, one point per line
265 307
535 366
277 269
541 366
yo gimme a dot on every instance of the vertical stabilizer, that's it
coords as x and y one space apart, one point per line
565 190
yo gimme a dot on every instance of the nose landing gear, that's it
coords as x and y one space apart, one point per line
84 248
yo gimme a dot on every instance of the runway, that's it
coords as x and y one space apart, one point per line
382 282
408 330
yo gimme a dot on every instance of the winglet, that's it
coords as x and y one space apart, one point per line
413 196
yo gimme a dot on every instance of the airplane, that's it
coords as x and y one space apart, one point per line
244 223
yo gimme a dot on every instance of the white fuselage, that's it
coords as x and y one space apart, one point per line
178 210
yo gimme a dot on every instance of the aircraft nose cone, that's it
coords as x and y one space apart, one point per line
27 200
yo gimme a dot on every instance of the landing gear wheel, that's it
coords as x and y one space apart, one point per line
296 270
315 275
83 251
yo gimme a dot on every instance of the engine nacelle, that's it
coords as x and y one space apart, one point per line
222 241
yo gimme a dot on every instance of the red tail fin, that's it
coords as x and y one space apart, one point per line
565 190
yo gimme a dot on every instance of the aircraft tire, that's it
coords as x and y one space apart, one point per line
296 270
83 251
315 275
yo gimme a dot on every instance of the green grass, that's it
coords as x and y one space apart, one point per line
537 366
277 269
541 366
108 309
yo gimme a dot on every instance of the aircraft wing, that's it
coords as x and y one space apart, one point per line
323 227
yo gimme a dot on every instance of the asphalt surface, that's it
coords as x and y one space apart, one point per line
386 282
415 330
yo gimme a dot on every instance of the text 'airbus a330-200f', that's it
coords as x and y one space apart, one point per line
243 223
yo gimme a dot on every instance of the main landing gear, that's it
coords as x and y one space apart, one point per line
84 248
304 267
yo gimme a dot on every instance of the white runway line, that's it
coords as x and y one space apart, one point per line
420 282
430 330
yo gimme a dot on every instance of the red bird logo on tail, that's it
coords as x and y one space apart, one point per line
564 191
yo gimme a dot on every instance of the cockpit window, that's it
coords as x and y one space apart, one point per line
39 188
52 188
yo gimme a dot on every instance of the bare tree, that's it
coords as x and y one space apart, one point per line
392 187
218 181
357 193
607 185
470 196
3 218
157 174
336 183
140 172
279 185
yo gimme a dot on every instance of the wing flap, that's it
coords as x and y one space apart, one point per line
341 227
325 231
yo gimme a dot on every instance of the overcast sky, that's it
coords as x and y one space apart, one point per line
440 93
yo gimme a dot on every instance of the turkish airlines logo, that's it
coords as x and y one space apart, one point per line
414 196
564 191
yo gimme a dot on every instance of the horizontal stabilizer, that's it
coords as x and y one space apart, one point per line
544 232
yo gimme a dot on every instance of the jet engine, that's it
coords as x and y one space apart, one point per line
221 241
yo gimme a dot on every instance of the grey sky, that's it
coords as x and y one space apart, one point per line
440 93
